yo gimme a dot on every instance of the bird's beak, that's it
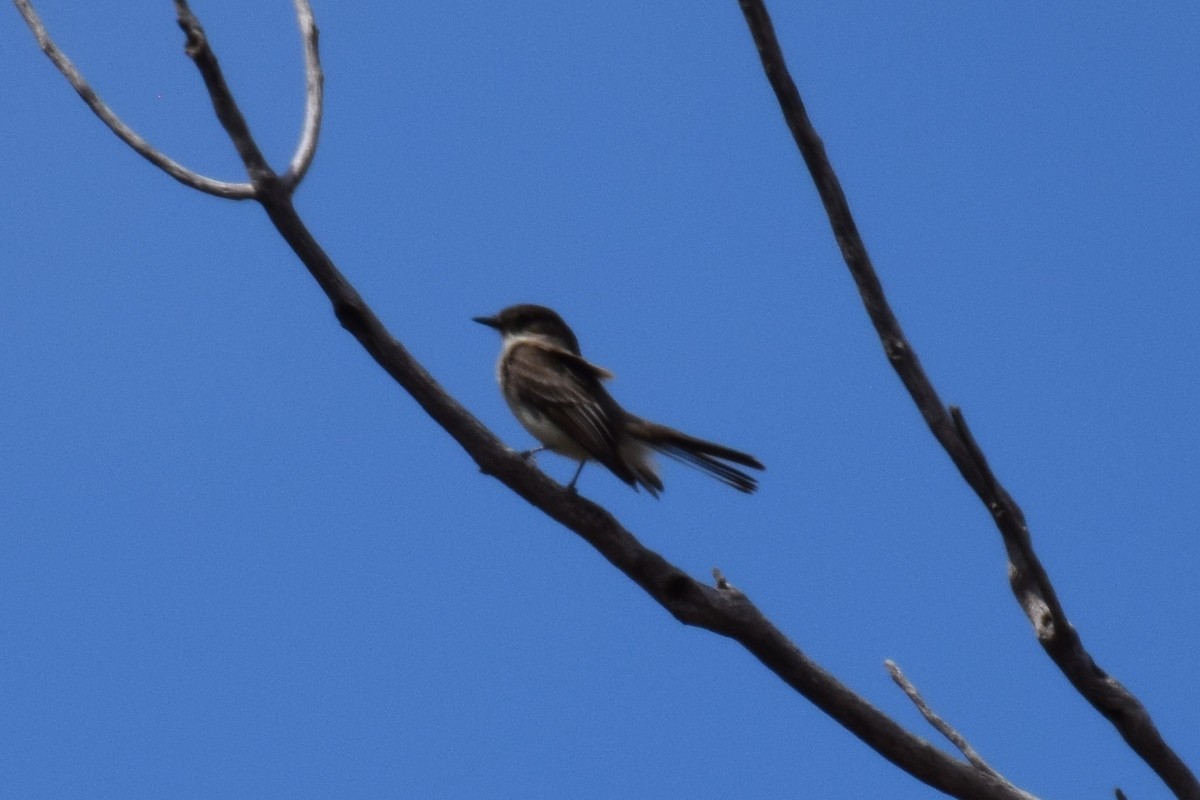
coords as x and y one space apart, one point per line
491 322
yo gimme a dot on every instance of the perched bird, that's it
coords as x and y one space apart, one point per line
558 396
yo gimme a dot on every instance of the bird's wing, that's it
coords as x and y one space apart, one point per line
566 389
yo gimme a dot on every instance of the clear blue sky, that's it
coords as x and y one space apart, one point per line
237 561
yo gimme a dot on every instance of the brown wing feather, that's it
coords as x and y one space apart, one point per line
566 388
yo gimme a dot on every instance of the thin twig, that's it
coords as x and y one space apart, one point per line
1030 582
944 728
314 96
232 191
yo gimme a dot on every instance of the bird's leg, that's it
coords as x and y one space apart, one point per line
529 454
571 485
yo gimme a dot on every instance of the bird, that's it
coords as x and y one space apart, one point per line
559 397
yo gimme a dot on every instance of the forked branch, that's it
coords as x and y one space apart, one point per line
233 191
310 131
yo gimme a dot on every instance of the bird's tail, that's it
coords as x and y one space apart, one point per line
705 456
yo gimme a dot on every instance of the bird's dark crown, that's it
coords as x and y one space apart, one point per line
535 320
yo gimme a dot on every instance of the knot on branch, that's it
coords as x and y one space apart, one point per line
349 314
895 347
1043 620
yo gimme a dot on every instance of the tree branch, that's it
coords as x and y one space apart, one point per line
723 610
314 95
232 191
940 725
227 110
1030 582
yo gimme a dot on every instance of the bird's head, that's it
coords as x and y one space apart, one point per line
533 320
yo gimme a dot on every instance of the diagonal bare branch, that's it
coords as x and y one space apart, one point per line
314 97
1030 582
232 191
723 610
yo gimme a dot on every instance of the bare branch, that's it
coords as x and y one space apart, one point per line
228 113
939 724
314 95
724 610
1029 580
942 727
233 191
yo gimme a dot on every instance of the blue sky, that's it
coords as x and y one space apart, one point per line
237 561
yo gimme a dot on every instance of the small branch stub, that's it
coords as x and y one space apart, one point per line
722 584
